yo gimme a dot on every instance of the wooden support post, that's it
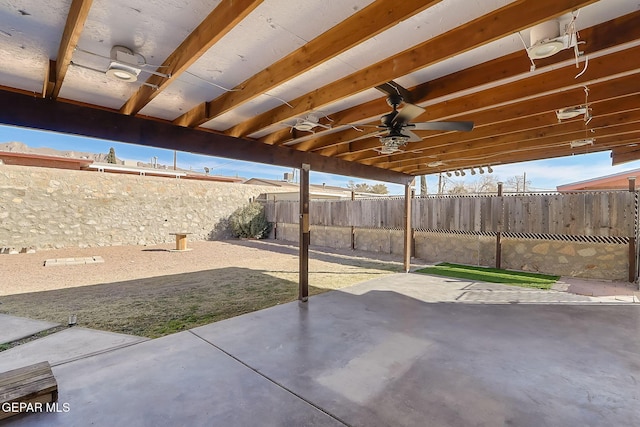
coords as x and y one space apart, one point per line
353 229
305 236
633 257
499 236
407 226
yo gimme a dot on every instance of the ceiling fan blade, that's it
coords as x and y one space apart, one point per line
408 112
412 136
459 126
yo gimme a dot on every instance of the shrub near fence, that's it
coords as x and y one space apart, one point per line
579 234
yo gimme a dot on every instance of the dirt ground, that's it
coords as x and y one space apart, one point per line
151 291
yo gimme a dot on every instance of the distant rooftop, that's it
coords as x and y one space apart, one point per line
617 181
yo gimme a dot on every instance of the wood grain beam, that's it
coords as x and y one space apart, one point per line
77 16
363 25
558 80
491 134
614 89
492 26
625 154
560 135
57 116
608 143
603 36
49 81
494 155
215 26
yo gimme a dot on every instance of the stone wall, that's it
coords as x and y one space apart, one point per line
53 208
577 259
606 261
460 248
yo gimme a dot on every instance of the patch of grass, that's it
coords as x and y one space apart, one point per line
157 306
41 334
493 275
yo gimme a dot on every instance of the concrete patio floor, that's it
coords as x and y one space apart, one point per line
402 350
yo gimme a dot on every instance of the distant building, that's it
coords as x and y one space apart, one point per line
56 162
38 160
618 181
288 190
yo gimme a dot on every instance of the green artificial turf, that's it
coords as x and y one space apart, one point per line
494 275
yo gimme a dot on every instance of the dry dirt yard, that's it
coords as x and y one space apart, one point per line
150 291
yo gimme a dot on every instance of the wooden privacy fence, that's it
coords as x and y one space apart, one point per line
604 214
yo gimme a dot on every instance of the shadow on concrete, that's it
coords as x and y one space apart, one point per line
382 358
378 358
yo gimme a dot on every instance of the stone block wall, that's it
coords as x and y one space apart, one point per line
331 237
53 208
380 240
459 248
607 261
577 259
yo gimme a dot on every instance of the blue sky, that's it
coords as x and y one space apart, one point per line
543 174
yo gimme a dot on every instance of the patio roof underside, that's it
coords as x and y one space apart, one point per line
232 78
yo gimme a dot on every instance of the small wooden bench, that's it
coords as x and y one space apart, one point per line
181 241
24 389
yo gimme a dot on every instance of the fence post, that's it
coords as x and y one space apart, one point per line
413 233
305 237
353 229
275 214
499 236
407 226
632 239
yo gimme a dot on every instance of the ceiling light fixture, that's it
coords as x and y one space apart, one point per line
308 123
480 170
394 140
124 66
448 174
546 39
387 149
473 172
582 142
570 112
489 169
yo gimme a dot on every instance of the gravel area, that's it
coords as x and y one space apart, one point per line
25 273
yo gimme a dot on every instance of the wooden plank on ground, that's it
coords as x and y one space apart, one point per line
30 384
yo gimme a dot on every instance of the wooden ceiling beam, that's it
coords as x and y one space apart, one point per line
77 16
625 154
561 136
608 143
558 80
544 121
492 26
603 36
215 26
359 27
494 157
48 114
